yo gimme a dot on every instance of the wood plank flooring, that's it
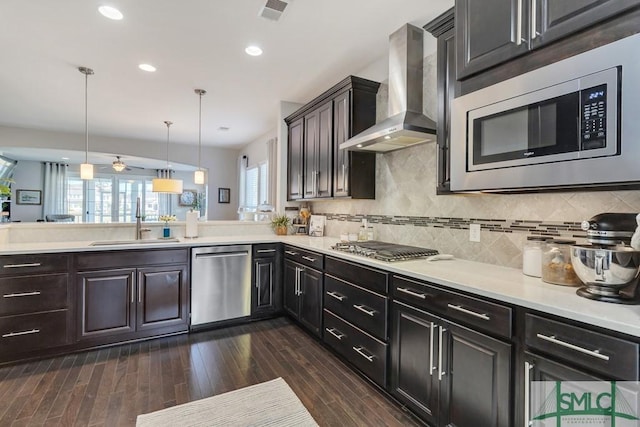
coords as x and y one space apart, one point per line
110 387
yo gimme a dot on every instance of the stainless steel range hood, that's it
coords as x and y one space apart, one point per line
406 124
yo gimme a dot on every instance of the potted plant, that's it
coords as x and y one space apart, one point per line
280 224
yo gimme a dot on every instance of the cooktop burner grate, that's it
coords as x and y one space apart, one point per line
389 252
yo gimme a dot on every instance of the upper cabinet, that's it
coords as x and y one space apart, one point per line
317 168
489 32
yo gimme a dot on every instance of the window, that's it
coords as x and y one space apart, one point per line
255 186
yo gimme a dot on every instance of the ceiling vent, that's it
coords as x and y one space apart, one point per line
273 9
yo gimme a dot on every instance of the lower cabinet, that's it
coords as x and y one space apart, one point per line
266 293
448 374
303 295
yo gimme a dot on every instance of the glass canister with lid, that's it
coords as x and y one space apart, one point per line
532 255
556 263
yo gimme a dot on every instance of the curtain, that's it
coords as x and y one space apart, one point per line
164 199
272 165
55 188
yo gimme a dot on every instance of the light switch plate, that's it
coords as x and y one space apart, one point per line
474 232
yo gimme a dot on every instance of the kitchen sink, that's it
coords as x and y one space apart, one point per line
134 242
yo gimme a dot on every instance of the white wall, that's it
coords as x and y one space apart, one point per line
28 175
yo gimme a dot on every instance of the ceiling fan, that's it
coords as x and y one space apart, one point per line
118 165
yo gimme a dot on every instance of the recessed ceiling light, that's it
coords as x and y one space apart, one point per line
387 137
359 146
147 67
253 51
110 12
223 128
65 158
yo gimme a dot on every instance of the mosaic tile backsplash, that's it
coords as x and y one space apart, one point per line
408 210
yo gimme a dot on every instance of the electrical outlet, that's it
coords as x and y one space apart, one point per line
474 232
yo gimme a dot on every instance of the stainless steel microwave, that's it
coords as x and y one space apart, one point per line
572 123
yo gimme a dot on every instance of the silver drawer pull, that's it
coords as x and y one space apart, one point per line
336 296
291 253
362 353
469 312
364 310
21 294
17 334
412 293
309 258
265 251
30 264
553 339
333 332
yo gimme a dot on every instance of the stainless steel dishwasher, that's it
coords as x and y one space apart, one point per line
220 283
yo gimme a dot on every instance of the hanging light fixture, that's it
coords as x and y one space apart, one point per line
86 168
167 185
118 165
198 176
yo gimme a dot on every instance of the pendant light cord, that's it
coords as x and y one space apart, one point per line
86 71
200 92
168 123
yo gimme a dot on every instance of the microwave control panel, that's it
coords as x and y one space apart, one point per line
593 103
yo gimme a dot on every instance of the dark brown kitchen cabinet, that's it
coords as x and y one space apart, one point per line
447 373
163 294
266 293
489 32
317 168
318 153
448 88
303 295
295 158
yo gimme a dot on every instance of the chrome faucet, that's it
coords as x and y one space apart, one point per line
138 220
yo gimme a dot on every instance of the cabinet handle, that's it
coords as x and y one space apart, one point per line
17 334
29 264
364 310
431 339
265 251
412 293
332 331
291 253
336 296
298 284
299 184
469 312
519 23
317 183
554 340
257 276
21 294
309 258
527 379
344 176
363 354
534 19
441 372
133 288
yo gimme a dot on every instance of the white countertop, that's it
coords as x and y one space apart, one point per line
499 283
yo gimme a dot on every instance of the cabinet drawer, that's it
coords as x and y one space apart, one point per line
14 265
137 258
487 316
366 310
304 257
364 277
30 294
614 357
362 350
19 334
265 250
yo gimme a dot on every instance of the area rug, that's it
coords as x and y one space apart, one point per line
271 403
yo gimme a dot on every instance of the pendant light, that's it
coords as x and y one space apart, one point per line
86 168
198 176
167 185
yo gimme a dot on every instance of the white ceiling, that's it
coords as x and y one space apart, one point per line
193 44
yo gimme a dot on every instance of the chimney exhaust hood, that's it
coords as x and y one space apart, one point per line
406 124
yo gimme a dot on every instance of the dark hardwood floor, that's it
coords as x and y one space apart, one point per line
112 386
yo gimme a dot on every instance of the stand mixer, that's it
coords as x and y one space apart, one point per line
608 266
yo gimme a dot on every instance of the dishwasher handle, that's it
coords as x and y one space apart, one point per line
223 254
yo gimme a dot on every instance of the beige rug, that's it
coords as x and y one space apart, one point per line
271 403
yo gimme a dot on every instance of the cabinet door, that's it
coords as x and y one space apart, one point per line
295 161
341 121
476 385
414 376
311 300
310 159
324 173
290 287
162 297
106 302
489 32
553 19
263 292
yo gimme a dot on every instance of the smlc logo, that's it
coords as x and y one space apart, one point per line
584 403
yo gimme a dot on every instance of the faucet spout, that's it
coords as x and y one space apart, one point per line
138 220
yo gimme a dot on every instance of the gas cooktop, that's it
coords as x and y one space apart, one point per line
389 252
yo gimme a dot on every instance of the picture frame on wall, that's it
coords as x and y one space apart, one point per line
28 197
224 195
